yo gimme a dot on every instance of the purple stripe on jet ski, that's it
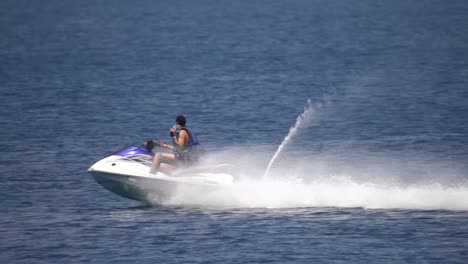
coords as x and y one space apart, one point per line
132 150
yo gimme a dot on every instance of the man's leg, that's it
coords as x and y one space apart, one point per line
161 158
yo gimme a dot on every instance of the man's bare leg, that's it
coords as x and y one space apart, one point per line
161 158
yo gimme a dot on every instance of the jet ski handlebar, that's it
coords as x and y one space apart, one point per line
150 144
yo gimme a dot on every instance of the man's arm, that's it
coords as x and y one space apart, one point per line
182 139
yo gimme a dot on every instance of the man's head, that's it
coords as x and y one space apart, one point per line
180 120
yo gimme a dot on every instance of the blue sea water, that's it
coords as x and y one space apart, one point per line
377 171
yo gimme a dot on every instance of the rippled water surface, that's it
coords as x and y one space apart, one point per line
375 172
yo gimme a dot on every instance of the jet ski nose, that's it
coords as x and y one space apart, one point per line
94 167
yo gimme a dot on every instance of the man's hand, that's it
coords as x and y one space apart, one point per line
172 132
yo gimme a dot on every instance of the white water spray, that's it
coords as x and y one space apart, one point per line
292 131
366 180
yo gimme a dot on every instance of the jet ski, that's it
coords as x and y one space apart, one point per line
126 173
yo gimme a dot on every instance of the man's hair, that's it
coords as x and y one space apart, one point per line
180 120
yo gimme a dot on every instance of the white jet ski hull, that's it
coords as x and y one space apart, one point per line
131 179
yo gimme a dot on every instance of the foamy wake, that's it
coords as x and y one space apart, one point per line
336 177
336 192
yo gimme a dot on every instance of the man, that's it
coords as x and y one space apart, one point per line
184 150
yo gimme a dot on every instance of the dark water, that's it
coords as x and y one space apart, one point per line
376 172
